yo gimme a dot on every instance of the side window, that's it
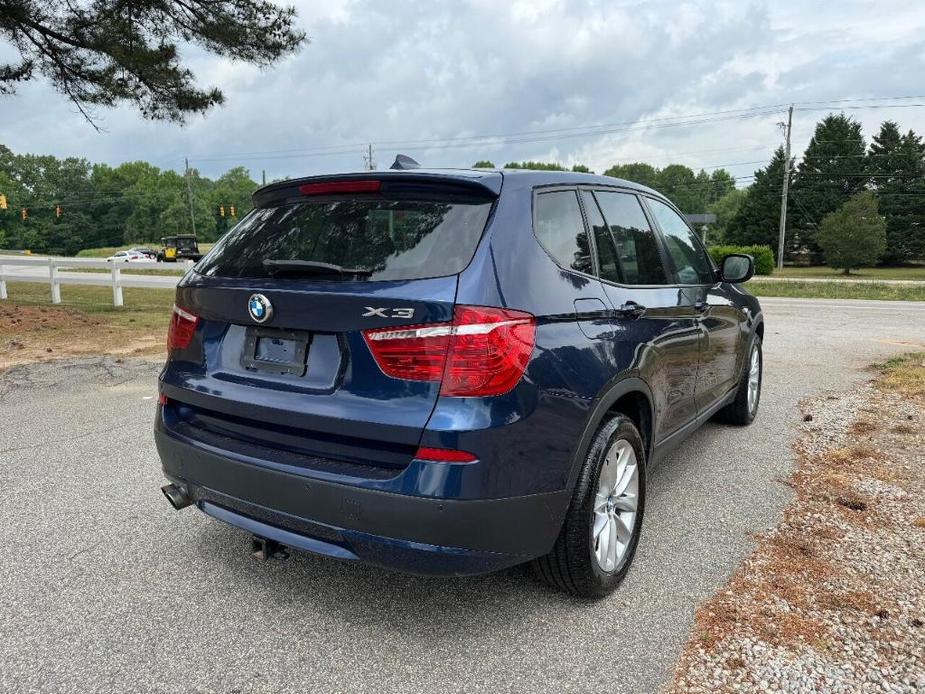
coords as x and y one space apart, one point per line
561 230
606 250
637 247
691 263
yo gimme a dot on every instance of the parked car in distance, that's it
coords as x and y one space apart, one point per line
451 371
125 257
148 253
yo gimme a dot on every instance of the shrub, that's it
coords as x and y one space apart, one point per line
764 257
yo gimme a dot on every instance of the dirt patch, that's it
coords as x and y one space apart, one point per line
833 599
19 319
42 333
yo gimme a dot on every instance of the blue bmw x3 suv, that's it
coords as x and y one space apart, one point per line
451 371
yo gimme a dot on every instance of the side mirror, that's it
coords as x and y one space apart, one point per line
737 268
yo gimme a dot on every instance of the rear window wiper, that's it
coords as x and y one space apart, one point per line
311 267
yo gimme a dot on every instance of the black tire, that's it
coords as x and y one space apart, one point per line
738 411
571 565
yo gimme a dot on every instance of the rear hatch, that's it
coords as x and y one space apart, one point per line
278 368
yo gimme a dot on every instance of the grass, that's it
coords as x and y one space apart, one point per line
904 374
104 252
912 272
142 306
838 290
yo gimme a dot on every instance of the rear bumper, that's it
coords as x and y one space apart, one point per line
422 535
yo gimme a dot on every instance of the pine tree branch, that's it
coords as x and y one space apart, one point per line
109 51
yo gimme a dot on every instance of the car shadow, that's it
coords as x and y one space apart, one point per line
371 595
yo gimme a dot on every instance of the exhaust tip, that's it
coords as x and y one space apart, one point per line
176 496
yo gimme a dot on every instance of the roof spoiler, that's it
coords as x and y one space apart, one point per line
421 183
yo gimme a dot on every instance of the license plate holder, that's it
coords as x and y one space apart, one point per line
274 351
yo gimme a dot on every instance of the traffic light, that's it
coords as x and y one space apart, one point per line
221 210
232 211
3 204
57 210
24 214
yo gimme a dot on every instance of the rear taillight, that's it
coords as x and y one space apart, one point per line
482 352
181 329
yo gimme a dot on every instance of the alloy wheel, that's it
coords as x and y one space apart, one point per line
754 379
615 506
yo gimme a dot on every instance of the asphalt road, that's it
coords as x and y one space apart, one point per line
105 588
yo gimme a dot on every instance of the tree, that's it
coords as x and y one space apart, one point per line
483 164
637 172
10 189
102 206
725 209
693 193
832 171
854 235
756 221
721 183
232 190
681 186
106 52
896 164
175 218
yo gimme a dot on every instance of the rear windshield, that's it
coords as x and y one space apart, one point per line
387 239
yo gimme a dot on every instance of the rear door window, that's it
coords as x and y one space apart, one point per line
636 244
607 262
691 263
385 239
559 227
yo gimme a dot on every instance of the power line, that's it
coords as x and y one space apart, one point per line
541 136
858 108
862 98
548 134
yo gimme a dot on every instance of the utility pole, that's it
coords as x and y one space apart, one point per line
189 195
263 173
368 162
784 193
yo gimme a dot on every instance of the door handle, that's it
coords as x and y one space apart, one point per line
630 310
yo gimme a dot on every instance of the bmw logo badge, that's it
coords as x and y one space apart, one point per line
260 308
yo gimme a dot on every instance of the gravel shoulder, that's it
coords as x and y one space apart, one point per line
833 598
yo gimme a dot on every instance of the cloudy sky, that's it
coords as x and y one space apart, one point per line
566 80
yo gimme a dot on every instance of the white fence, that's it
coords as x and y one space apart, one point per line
32 269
